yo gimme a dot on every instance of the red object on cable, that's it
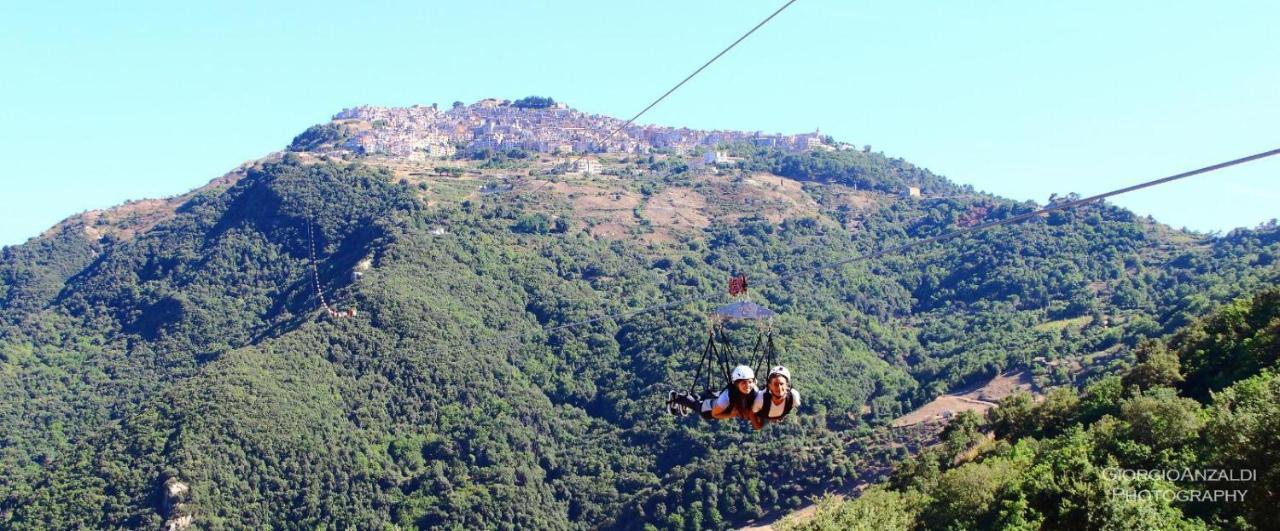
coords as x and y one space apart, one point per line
737 285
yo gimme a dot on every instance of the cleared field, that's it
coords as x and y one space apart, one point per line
979 399
1061 324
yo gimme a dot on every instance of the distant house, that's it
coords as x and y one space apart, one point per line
911 191
718 158
587 165
697 163
441 150
809 141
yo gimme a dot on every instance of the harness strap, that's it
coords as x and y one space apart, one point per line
767 357
759 361
708 353
771 352
726 352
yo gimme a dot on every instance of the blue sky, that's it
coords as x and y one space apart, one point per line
101 103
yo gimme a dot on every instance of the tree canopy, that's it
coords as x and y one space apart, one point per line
193 352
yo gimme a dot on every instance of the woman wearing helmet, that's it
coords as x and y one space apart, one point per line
736 400
777 399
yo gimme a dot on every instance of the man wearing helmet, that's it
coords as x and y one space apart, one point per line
777 399
736 400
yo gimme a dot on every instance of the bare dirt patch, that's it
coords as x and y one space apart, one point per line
612 231
941 408
659 237
126 221
588 200
677 208
853 199
799 515
769 196
1000 387
976 398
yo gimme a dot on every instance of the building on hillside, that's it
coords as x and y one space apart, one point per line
587 165
494 124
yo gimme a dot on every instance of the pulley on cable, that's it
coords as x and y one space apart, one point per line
761 355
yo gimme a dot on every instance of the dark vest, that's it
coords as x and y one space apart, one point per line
768 404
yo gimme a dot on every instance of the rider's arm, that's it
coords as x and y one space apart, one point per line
720 407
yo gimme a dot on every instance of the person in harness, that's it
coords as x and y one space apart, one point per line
777 399
737 400
739 397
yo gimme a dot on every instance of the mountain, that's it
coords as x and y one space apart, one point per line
168 362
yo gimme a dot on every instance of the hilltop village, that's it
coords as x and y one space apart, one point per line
532 124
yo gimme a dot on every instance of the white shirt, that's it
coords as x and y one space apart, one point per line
775 410
720 402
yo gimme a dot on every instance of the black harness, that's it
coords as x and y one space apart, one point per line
787 404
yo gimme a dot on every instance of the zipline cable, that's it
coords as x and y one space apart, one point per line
315 272
622 316
1014 219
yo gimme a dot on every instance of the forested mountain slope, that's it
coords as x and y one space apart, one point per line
1184 440
185 347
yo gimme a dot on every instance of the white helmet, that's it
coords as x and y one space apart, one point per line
780 371
743 372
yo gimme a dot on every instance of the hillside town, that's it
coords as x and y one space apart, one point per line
499 125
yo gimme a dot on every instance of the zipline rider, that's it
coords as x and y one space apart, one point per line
777 399
738 399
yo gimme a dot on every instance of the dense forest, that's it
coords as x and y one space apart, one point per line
193 353
1198 412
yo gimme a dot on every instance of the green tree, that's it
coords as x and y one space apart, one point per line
963 432
1013 418
1156 367
532 224
1161 419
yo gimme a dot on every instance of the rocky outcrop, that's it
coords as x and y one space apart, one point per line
176 514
